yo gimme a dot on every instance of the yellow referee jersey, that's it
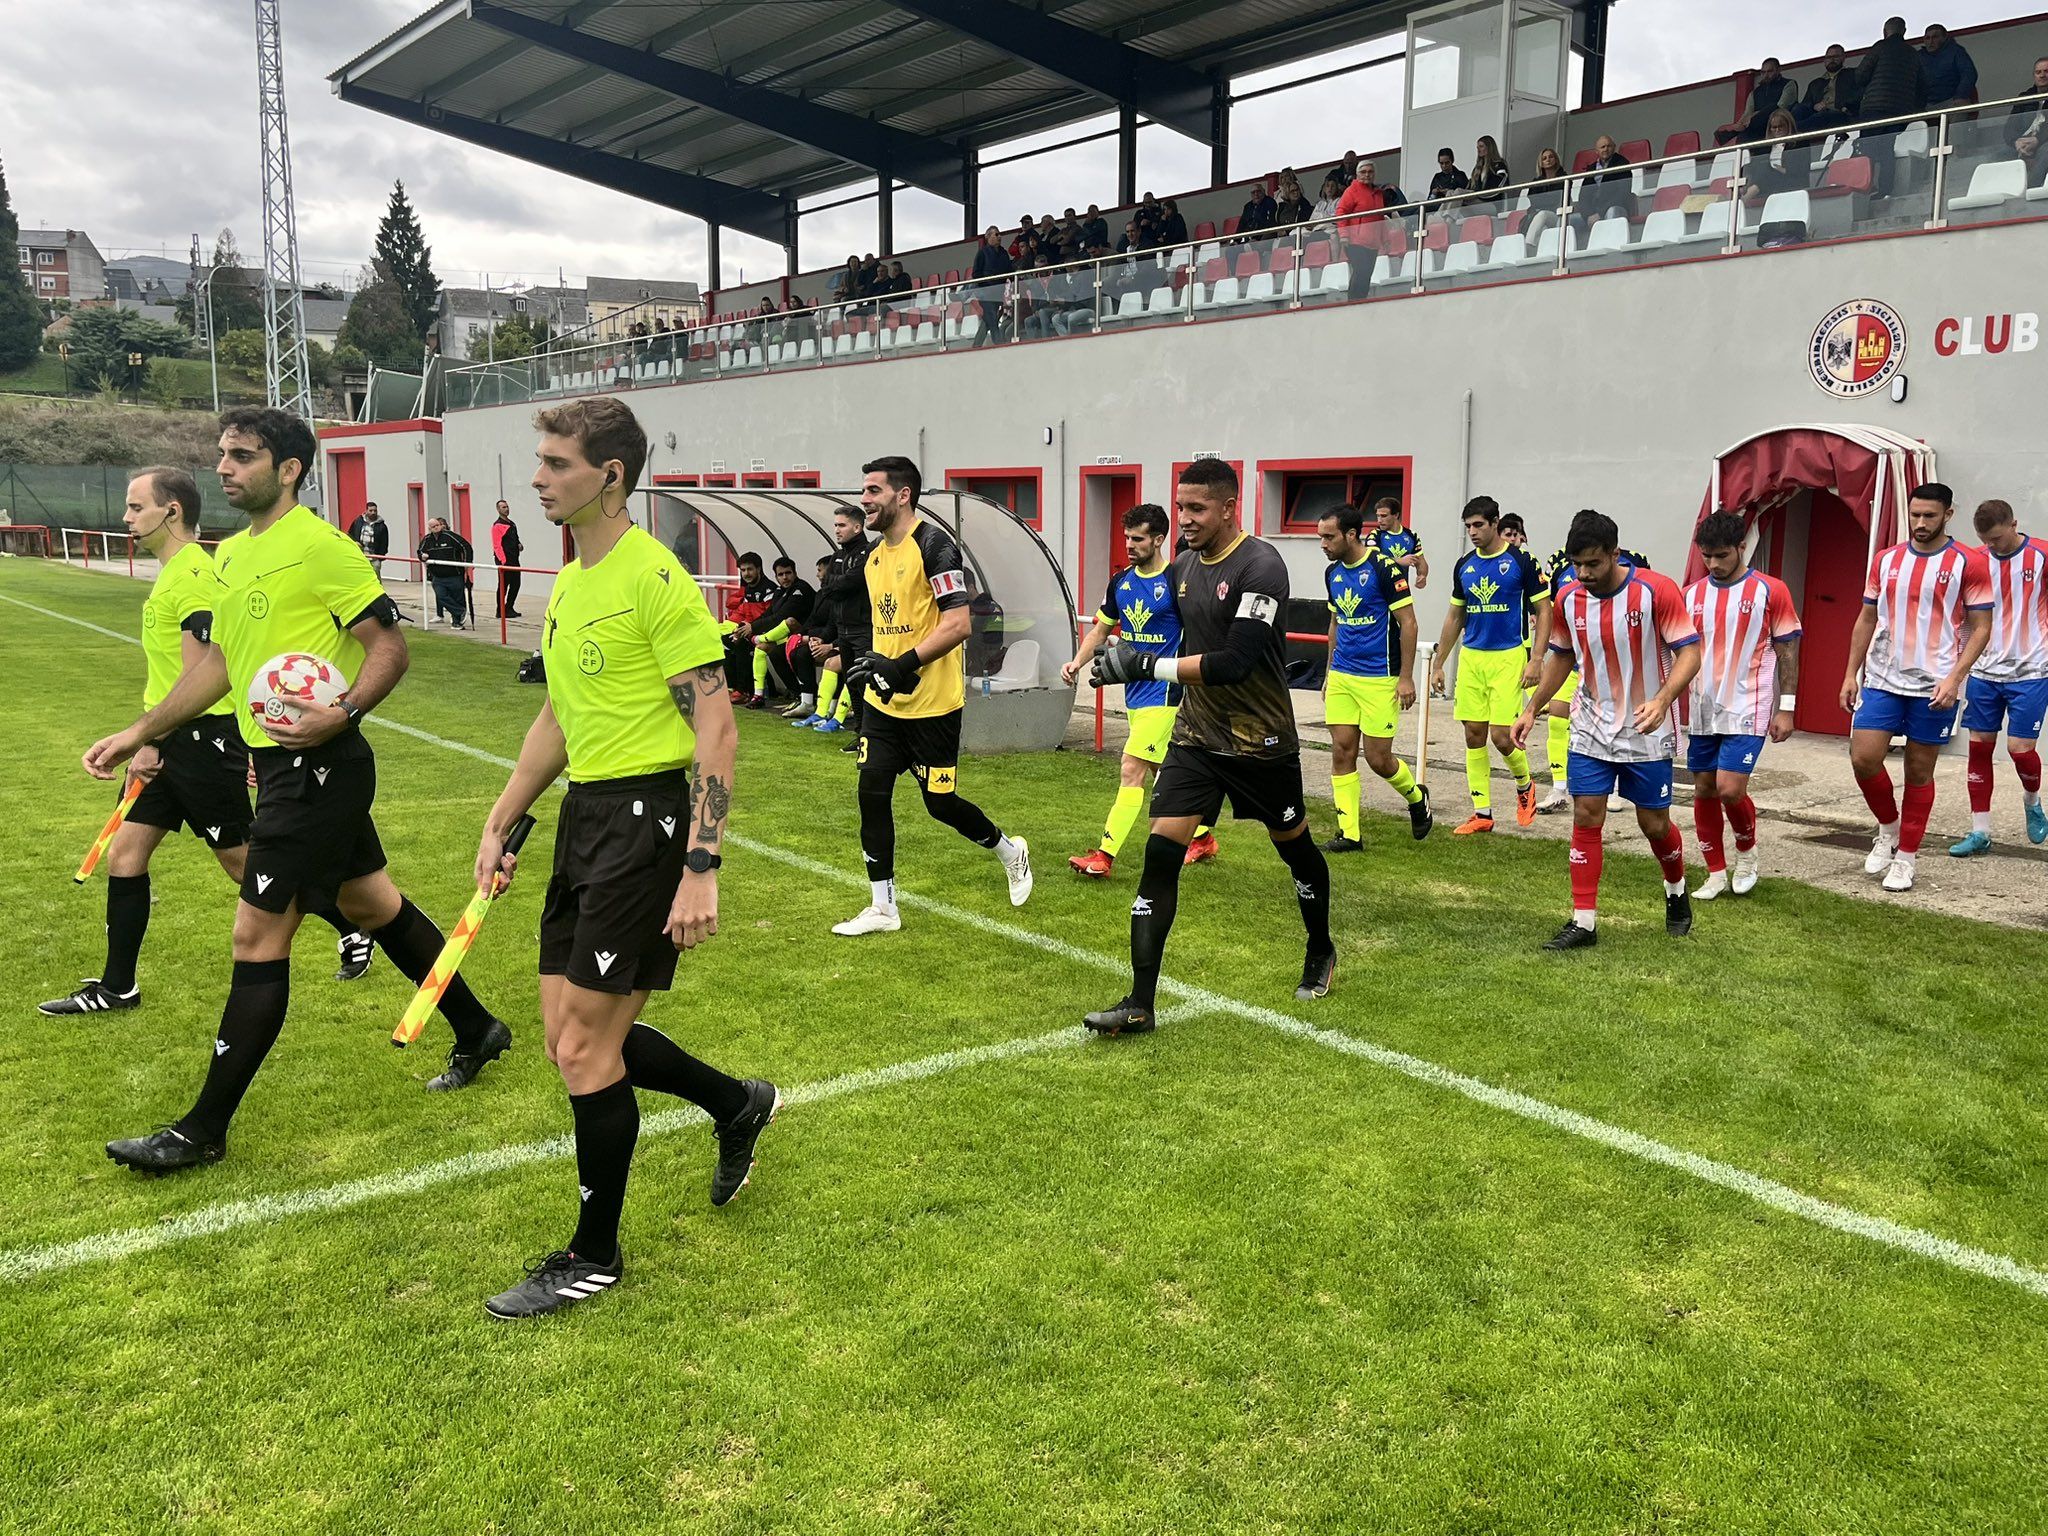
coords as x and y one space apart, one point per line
180 599
614 634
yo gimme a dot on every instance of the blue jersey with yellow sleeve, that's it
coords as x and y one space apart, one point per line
1363 601
1495 592
1143 607
1397 544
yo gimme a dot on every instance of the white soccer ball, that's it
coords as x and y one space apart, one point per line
285 685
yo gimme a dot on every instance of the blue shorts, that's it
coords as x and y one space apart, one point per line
1645 784
1723 754
2018 706
1896 715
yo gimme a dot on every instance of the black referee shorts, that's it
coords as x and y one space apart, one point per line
313 833
1196 783
928 749
619 850
203 784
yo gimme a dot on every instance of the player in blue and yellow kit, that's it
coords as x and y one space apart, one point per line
1141 603
1494 591
1400 544
1371 675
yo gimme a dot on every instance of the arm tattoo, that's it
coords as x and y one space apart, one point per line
713 799
701 683
686 700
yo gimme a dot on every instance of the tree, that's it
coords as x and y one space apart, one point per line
21 318
240 349
517 336
378 326
237 292
402 257
101 340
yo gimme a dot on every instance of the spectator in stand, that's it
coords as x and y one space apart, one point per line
1150 218
992 267
1073 235
1781 167
1489 174
1832 99
1325 210
1133 241
1096 230
1445 186
2026 126
847 279
1258 212
444 554
1892 82
1290 207
372 535
1951 72
1346 171
1768 91
1173 229
871 274
1546 196
1024 247
1607 189
506 550
1360 213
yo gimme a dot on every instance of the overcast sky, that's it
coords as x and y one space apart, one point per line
149 133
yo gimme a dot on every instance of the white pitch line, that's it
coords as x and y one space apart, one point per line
1769 1192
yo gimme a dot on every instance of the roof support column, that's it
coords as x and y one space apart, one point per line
1126 154
970 202
1219 133
790 230
711 255
1593 82
885 215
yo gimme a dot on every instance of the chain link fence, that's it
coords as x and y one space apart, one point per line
80 495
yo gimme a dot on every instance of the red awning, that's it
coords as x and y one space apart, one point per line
1870 468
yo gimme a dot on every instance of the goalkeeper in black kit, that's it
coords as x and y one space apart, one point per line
1234 738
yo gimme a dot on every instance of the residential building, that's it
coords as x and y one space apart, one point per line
62 264
464 313
618 303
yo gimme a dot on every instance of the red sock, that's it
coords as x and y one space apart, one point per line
1585 869
1913 820
1979 776
1706 825
2029 766
1877 794
1670 855
1742 817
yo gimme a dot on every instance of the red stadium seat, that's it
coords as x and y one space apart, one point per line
1230 224
1512 225
1316 254
1214 270
1393 240
1670 197
1437 237
1283 260
1582 159
1478 231
1687 143
1248 263
1845 177
1205 231
952 275
1636 151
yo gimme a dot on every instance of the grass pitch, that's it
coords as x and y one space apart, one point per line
1220 1278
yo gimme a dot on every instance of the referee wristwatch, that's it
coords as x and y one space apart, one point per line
353 710
701 861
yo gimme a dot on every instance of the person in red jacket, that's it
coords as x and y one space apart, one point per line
744 604
506 550
1359 211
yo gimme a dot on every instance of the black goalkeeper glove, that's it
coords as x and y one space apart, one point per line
1121 662
887 677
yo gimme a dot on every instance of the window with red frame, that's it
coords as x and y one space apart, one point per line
1306 493
1018 489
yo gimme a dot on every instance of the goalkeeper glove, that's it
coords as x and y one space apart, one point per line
1121 662
885 676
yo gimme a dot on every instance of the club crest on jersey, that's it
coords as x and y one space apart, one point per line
887 607
590 658
1222 590
259 605
1159 591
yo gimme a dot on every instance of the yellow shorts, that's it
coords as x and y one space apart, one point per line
1490 685
1366 702
1569 691
1150 730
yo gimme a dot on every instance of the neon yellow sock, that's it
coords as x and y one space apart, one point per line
1560 747
1518 765
1344 789
760 670
1403 782
1479 776
1123 815
845 707
828 686
1203 831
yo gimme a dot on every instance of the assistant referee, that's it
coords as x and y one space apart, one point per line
638 715
293 582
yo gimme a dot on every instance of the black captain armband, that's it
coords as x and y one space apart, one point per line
199 626
383 610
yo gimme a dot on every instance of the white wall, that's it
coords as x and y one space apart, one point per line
1610 390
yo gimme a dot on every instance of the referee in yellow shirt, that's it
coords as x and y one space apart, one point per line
293 582
638 715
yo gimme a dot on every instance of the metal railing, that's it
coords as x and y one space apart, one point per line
1685 207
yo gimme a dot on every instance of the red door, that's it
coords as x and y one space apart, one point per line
1836 566
351 487
461 495
1106 495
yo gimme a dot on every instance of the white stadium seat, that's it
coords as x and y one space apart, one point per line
2040 193
1130 304
1724 166
1677 173
1992 185
1163 300
1779 208
1019 668
1664 227
1508 251
807 349
1608 235
1336 279
1462 257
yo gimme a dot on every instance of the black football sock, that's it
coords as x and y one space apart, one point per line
331 916
127 921
878 827
249 1023
655 1061
1311 873
414 944
1152 915
964 817
607 1126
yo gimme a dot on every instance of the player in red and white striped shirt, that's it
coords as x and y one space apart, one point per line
1626 631
2009 685
1749 672
1926 619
